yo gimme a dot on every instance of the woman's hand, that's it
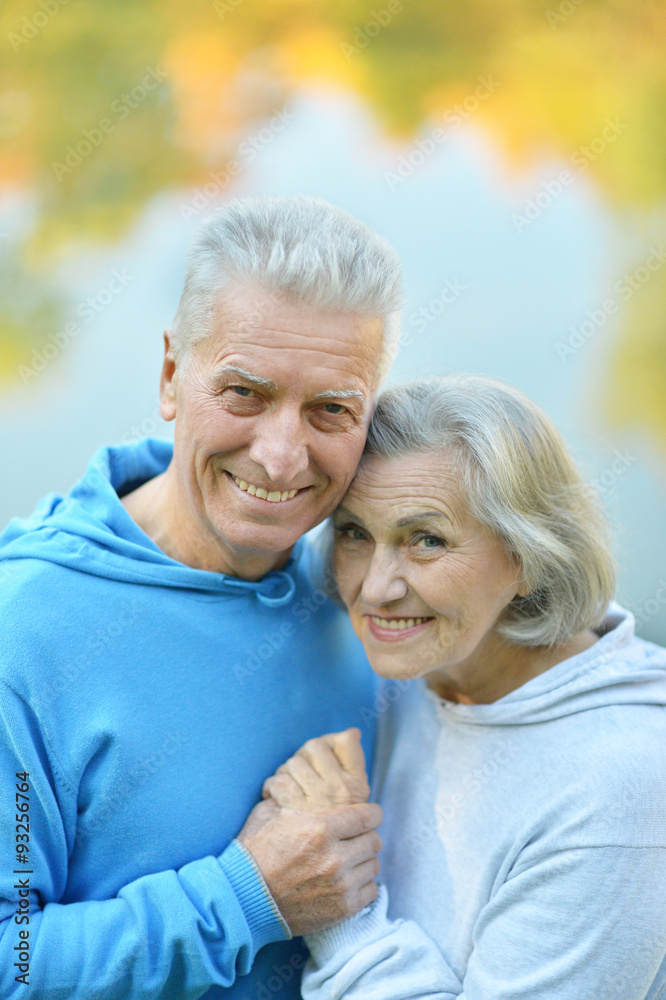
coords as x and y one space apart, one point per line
326 772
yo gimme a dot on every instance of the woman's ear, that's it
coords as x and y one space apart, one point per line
525 587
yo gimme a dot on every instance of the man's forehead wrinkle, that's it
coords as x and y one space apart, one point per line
330 351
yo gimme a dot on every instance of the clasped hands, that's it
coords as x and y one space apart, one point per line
314 836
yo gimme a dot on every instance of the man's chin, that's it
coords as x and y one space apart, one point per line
268 540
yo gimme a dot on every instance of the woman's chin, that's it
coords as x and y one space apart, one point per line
394 668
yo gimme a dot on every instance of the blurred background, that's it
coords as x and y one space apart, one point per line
513 151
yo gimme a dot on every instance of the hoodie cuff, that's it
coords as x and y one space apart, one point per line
366 926
263 917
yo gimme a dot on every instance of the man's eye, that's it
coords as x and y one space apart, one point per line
242 390
335 408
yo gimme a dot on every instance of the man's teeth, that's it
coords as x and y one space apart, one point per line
396 623
275 496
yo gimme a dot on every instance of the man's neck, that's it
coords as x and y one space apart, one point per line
161 515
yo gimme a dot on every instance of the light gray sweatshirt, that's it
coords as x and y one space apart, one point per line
524 841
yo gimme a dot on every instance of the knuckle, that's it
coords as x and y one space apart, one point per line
331 865
318 832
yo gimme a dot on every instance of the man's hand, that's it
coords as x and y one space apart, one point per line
320 869
326 772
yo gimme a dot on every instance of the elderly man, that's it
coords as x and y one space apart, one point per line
166 646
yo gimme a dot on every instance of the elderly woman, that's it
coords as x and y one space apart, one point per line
522 752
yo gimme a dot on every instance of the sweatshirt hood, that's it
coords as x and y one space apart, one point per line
89 530
619 669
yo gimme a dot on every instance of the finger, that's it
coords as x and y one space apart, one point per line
366 872
347 748
302 772
367 894
323 760
347 822
284 791
361 849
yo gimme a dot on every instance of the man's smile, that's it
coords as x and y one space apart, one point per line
272 496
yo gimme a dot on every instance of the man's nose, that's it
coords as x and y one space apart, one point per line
280 446
384 581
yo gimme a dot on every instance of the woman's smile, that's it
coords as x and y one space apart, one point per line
396 629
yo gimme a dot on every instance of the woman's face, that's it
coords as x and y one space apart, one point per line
424 581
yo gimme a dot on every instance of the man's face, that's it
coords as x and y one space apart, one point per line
272 413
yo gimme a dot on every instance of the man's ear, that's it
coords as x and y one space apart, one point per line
168 381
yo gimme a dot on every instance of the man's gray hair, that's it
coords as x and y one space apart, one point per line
521 482
300 247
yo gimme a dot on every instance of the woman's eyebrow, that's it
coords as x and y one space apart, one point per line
424 515
343 512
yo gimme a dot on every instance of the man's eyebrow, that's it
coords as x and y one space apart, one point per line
342 394
220 374
424 515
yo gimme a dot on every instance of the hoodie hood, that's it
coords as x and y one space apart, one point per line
90 531
620 669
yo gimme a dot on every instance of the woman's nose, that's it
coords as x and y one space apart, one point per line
383 580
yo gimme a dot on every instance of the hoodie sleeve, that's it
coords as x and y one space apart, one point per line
579 923
167 934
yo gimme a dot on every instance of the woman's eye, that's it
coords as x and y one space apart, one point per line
429 541
350 531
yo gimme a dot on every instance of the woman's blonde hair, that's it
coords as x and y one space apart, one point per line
521 482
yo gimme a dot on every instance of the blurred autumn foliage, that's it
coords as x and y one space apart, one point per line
104 103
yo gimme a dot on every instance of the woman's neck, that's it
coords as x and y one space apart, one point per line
497 667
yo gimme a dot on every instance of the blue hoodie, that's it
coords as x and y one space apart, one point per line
143 704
